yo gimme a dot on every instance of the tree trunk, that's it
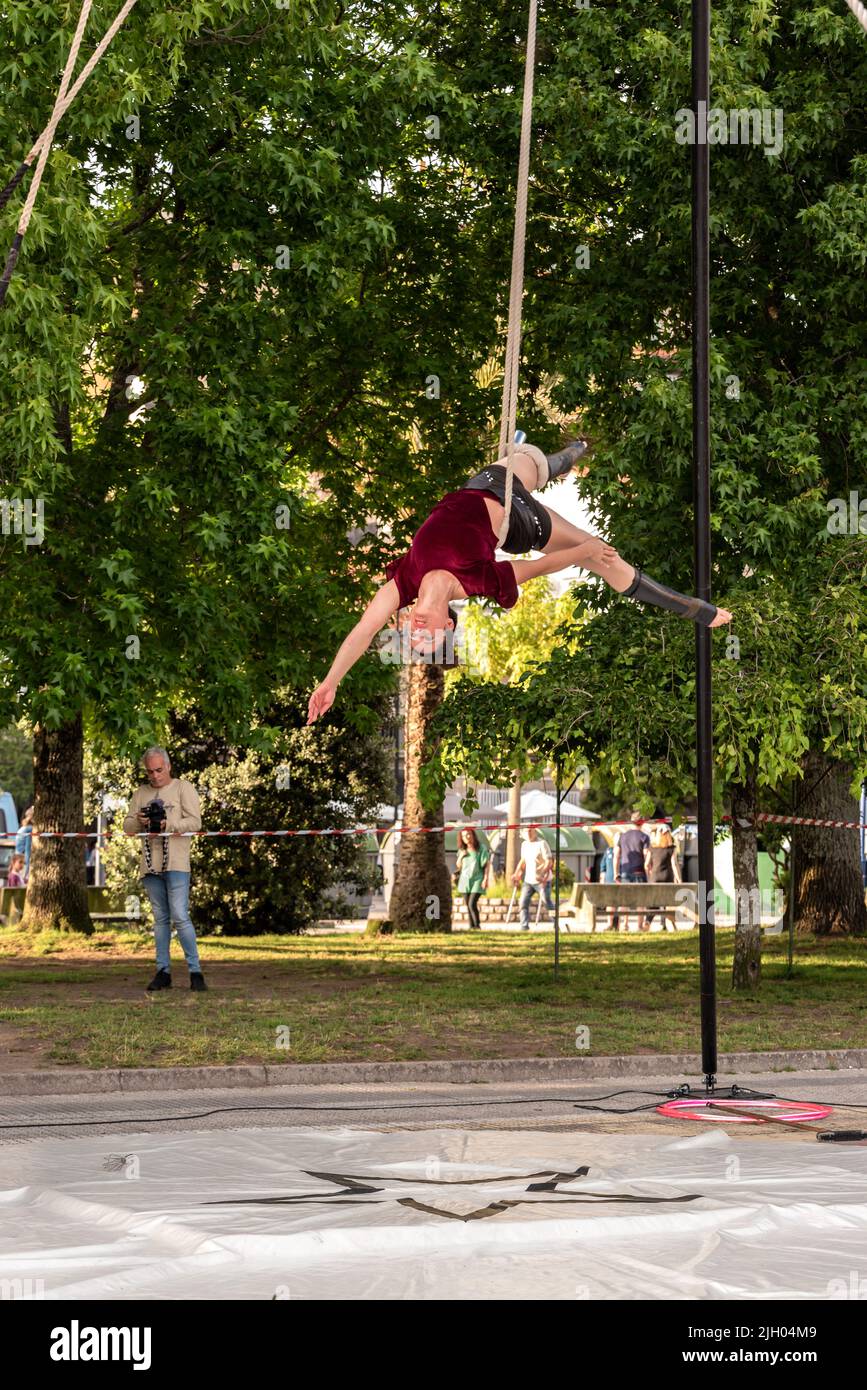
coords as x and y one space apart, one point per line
513 837
829 892
57 887
421 899
745 861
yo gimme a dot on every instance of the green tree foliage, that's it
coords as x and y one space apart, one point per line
503 645
789 359
326 777
247 286
16 766
248 265
253 288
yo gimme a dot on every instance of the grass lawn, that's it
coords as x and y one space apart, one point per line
82 1002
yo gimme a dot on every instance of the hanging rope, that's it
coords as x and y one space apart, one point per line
24 220
859 11
65 97
508 418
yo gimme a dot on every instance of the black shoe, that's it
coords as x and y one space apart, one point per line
563 462
197 980
161 980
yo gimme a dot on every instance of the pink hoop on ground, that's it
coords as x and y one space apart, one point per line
779 1111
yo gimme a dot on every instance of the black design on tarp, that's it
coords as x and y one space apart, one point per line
359 1190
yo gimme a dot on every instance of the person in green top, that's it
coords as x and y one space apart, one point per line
472 868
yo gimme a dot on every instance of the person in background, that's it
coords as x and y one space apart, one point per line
606 867
629 857
17 872
662 863
535 867
24 840
473 870
165 862
606 871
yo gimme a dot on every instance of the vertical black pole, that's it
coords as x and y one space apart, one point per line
701 492
790 970
557 883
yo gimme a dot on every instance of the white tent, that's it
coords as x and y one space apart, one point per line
537 805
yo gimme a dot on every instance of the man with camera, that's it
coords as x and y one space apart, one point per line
166 808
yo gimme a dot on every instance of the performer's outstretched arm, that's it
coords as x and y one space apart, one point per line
384 603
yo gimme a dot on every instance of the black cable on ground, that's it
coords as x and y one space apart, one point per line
675 1092
335 1109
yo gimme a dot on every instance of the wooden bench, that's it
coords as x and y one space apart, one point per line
667 899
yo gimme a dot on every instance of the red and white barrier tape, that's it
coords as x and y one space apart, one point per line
410 829
810 820
255 834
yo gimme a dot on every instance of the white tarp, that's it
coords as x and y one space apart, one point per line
337 1213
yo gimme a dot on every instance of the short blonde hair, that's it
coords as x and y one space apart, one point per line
662 837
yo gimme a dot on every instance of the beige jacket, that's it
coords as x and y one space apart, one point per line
183 812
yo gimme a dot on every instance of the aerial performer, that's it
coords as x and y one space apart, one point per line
452 556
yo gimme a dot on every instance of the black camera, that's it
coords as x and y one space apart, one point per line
156 814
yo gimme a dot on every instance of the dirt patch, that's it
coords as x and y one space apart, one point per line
129 979
32 983
21 1051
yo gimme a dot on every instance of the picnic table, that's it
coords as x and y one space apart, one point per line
618 900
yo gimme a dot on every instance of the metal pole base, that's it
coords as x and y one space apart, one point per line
710 1091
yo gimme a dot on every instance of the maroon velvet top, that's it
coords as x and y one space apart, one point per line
457 537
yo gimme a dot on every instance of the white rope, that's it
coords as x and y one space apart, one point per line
859 11
508 418
56 114
65 97
69 97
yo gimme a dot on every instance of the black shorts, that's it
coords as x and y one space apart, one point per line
529 523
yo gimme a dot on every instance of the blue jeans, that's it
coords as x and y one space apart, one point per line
636 876
169 895
526 894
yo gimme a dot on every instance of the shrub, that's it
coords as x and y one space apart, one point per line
326 775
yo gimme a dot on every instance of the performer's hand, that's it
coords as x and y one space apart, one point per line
321 700
723 616
607 554
595 552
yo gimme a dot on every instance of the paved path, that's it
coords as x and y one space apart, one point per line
547 1105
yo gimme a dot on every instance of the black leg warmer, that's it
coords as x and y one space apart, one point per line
562 463
643 589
